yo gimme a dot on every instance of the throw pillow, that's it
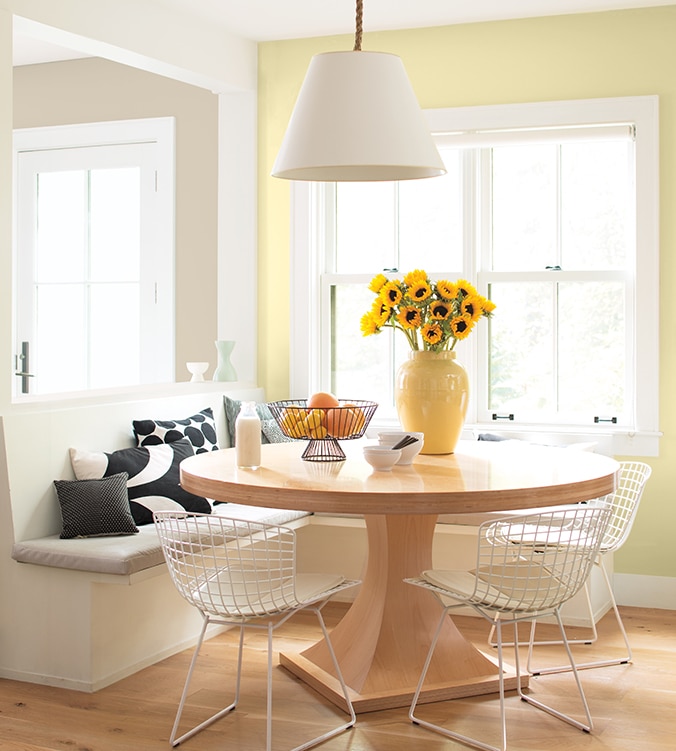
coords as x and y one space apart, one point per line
199 429
270 430
94 508
153 483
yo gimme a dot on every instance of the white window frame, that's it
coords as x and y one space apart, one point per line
158 239
307 233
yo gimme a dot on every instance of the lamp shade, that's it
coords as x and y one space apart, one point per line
357 119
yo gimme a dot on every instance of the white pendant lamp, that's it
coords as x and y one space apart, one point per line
357 119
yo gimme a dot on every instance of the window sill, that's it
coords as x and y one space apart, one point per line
616 442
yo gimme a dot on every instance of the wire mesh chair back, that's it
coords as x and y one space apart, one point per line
228 567
534 563
624 502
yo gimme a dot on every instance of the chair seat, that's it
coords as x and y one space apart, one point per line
527 587
234 603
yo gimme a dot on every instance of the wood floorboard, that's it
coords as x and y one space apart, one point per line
632 705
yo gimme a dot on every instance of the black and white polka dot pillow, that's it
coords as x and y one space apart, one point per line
199 429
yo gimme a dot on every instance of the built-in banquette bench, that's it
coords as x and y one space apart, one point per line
83 613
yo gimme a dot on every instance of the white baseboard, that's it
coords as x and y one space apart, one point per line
638 591
90 687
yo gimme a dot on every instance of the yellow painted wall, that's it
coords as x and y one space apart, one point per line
624 53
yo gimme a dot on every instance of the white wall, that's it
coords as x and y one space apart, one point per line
137 32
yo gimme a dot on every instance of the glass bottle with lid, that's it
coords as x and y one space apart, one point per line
248 437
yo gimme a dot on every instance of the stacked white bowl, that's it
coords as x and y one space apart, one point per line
408 453
382 458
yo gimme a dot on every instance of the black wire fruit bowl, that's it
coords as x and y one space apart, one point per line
323 427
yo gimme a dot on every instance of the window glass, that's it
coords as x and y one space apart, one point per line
60 230
365 226
115 224
115 340
592 348
430 219
521 347
60 337
595 204
524 207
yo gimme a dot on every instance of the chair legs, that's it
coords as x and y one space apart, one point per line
268 730
475 743
586 665
172 738
587 640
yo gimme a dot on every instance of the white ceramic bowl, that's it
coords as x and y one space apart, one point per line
408 453
382 458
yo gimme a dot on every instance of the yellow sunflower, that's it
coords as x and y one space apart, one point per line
380 311
488 306
419 292
409 317
467 289
471 306
368 325
446 290
440 311
432 333
415 277
461 326
377 283
391 293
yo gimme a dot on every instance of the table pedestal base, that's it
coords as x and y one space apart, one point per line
325 684
382 641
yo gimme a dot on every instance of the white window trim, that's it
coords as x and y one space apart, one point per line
305 361
161 132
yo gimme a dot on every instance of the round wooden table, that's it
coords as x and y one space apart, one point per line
382 640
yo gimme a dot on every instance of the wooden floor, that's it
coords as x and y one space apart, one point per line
633 705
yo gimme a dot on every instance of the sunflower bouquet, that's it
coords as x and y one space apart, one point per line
432 315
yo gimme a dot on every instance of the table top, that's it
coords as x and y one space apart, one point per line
480 476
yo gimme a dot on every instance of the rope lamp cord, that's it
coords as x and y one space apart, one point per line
359 27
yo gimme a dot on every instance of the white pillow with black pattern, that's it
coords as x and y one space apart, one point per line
199 429
153 471
95 508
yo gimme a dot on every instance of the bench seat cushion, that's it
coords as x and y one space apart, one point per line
126 555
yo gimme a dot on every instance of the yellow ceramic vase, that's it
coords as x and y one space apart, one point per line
431 394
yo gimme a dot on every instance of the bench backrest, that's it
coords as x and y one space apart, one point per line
37 439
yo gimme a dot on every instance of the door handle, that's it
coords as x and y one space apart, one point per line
23 372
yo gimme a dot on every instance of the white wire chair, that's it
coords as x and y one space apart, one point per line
242 573
624 503
519 576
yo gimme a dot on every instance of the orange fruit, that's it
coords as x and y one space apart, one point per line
344 422
338 422
322 399
357 420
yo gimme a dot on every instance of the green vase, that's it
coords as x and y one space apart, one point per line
224 368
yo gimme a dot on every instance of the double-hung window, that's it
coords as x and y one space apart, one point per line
550 210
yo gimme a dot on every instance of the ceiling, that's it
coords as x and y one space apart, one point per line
265 20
